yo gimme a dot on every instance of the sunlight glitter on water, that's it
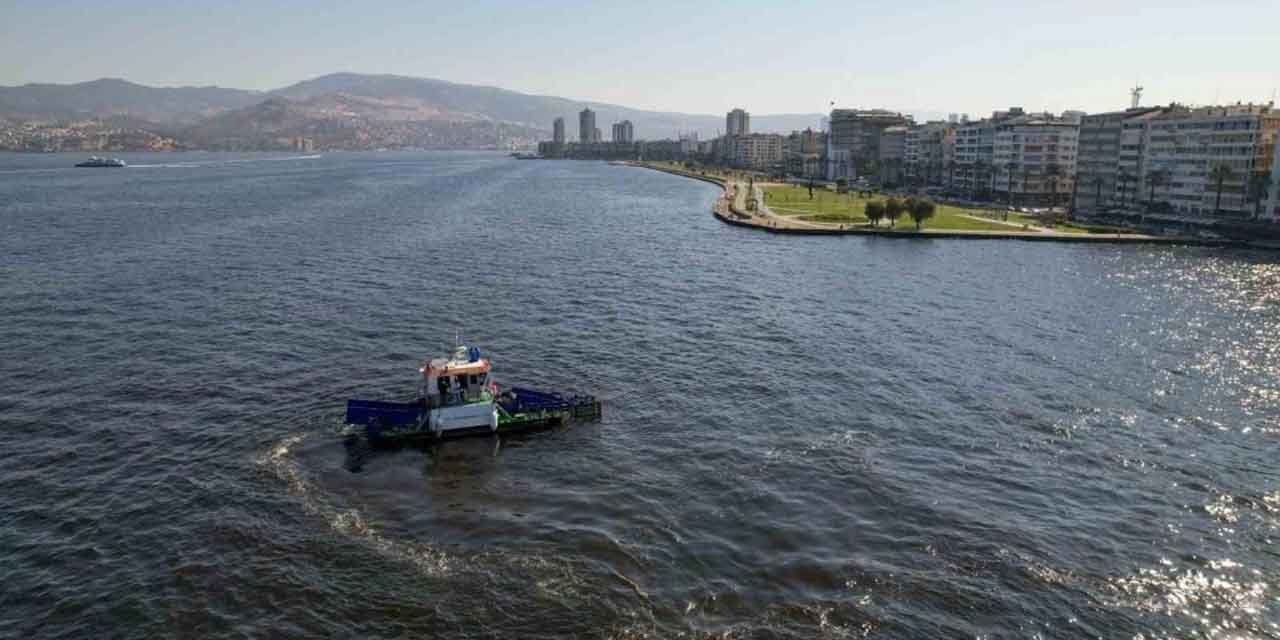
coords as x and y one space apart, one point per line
1226 601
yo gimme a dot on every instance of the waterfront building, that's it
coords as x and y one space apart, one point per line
759 151
1035 155
802 153
974 152
689 143
587 131
737 123
891 160
661 150
853 144
624 132
1108 142
929 151
1272 212
1187 145
557 131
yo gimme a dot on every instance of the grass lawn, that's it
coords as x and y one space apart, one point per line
831 207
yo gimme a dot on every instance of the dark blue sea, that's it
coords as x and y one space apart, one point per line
804 437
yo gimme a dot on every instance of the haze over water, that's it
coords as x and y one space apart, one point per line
803 437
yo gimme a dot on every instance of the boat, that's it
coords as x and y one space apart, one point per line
526 156
458 397
95 161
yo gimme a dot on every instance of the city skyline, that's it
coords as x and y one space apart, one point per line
1046 61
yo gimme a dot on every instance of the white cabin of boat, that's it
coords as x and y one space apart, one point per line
458 391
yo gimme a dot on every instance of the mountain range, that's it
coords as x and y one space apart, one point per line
340 110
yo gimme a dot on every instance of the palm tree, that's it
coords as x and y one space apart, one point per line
1259 190
1157 178
1010 167
1219 174
976 170
1053 172
1124 179
1097 181
989 170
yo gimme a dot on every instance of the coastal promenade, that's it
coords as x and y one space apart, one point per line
732 208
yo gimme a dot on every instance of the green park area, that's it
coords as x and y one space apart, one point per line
827 206
841 208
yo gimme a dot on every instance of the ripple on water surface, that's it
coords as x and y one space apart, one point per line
804 437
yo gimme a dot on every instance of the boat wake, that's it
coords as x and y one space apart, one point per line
281 461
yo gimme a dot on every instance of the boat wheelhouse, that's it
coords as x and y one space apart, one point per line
457 392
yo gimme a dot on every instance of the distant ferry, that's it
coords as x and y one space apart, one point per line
95 161
526 156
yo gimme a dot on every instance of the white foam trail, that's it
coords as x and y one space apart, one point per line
281 462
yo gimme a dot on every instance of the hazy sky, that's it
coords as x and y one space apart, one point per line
699 56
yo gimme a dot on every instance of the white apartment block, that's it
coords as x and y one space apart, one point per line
1035 158
761 151
1188 144
974 151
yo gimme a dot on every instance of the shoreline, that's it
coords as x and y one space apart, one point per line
727 212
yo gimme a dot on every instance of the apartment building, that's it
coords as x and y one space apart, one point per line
1272 212
1189 146
760 151
557 131
1035 158
853 144
624 132
929 151
891 163
974 152
1107 143
587 131
737 123
802 153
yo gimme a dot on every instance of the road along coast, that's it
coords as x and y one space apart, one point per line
732 208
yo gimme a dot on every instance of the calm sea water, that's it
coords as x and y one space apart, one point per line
804 437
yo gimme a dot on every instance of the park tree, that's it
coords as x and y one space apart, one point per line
921 210
875 212
893 208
